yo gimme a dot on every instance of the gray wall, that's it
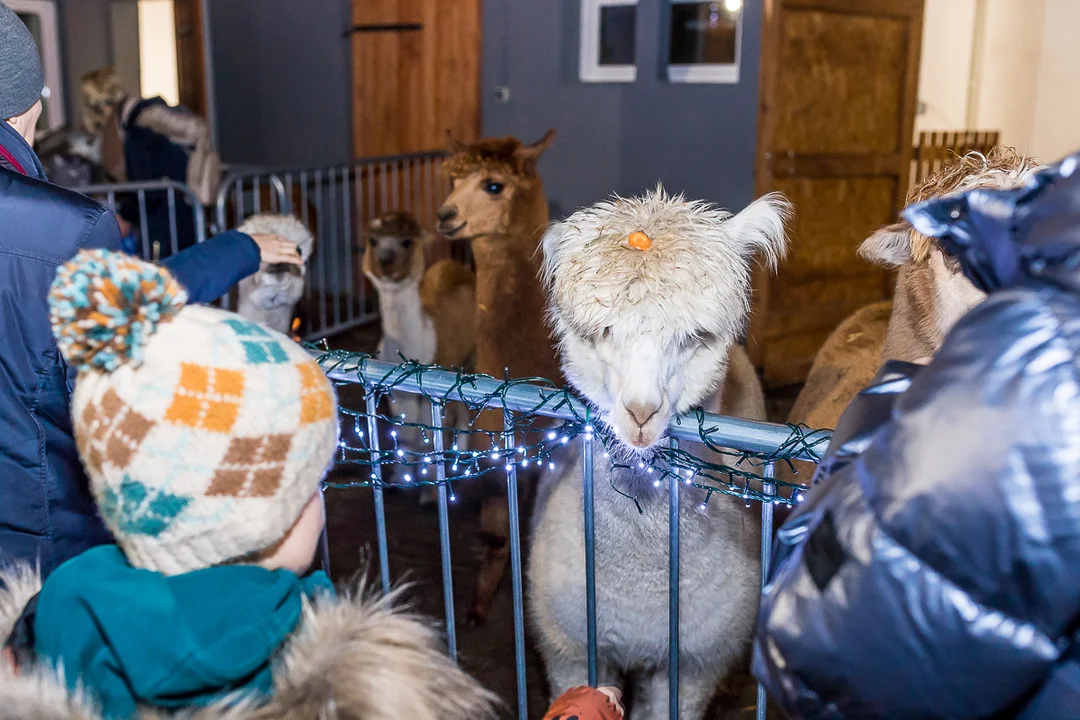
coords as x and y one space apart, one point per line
86 41
282 70
619 137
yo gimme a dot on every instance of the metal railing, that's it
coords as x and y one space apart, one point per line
337 202
767 442
148 201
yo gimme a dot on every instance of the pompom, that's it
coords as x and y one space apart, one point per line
104 306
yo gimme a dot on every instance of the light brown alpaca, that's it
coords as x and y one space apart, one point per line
427 315
497 202
931 295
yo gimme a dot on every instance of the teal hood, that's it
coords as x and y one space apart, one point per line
131 636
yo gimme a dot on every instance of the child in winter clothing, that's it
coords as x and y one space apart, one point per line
205 438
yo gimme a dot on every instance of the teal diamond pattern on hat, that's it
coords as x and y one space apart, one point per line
138 510
259 345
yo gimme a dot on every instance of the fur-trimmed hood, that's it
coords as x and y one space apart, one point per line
355 657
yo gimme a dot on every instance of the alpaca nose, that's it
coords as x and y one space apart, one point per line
386 257
446 213
278 268
642 412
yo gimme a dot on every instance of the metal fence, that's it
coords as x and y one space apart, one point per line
757 446
337 202
165 216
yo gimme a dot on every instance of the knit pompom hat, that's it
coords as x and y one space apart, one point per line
204 435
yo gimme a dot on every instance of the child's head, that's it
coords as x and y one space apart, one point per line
205 436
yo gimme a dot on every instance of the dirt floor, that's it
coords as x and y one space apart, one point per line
413 536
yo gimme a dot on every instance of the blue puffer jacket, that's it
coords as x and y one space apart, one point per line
46 512
934 571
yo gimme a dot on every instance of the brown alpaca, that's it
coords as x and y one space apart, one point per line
411 296
931 295
497 202
427 315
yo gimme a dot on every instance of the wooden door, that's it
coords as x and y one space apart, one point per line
838 94
416 74
190 65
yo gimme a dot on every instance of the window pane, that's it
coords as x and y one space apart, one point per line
617 34
703 32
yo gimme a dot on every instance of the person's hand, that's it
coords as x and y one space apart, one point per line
125 226
275 249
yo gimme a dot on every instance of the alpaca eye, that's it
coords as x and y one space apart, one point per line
406 243
493 188
605 333
372 242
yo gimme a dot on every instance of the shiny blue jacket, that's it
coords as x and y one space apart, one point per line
934 570
46 512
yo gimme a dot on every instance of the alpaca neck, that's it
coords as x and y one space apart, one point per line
405 325
914 330
510 330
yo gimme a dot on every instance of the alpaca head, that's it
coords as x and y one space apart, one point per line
922 262
488 179
277 285
395 248
647 296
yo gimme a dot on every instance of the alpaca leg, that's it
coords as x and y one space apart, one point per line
696 689
567 671
495 535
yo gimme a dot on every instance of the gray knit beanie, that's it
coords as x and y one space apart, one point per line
21 78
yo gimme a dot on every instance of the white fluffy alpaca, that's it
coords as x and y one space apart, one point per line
646 334
270 295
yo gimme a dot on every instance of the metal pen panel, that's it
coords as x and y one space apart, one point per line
674 491
377 488
144 231
324 540
729 432
589 520
444 531
346 206
173 242
335 264
766 561
384 197
323 256
515 567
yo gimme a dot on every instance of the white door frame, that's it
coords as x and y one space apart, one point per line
50 53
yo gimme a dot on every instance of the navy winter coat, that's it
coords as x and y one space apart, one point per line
46 511
934 571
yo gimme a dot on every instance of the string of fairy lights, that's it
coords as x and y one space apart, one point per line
529 441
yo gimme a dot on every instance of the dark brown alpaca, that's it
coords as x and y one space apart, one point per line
497 202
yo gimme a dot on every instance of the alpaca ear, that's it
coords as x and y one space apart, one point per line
453 144
537 148
760 228
889 247
528 155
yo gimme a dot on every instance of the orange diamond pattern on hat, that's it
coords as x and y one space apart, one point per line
207 398
209 449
